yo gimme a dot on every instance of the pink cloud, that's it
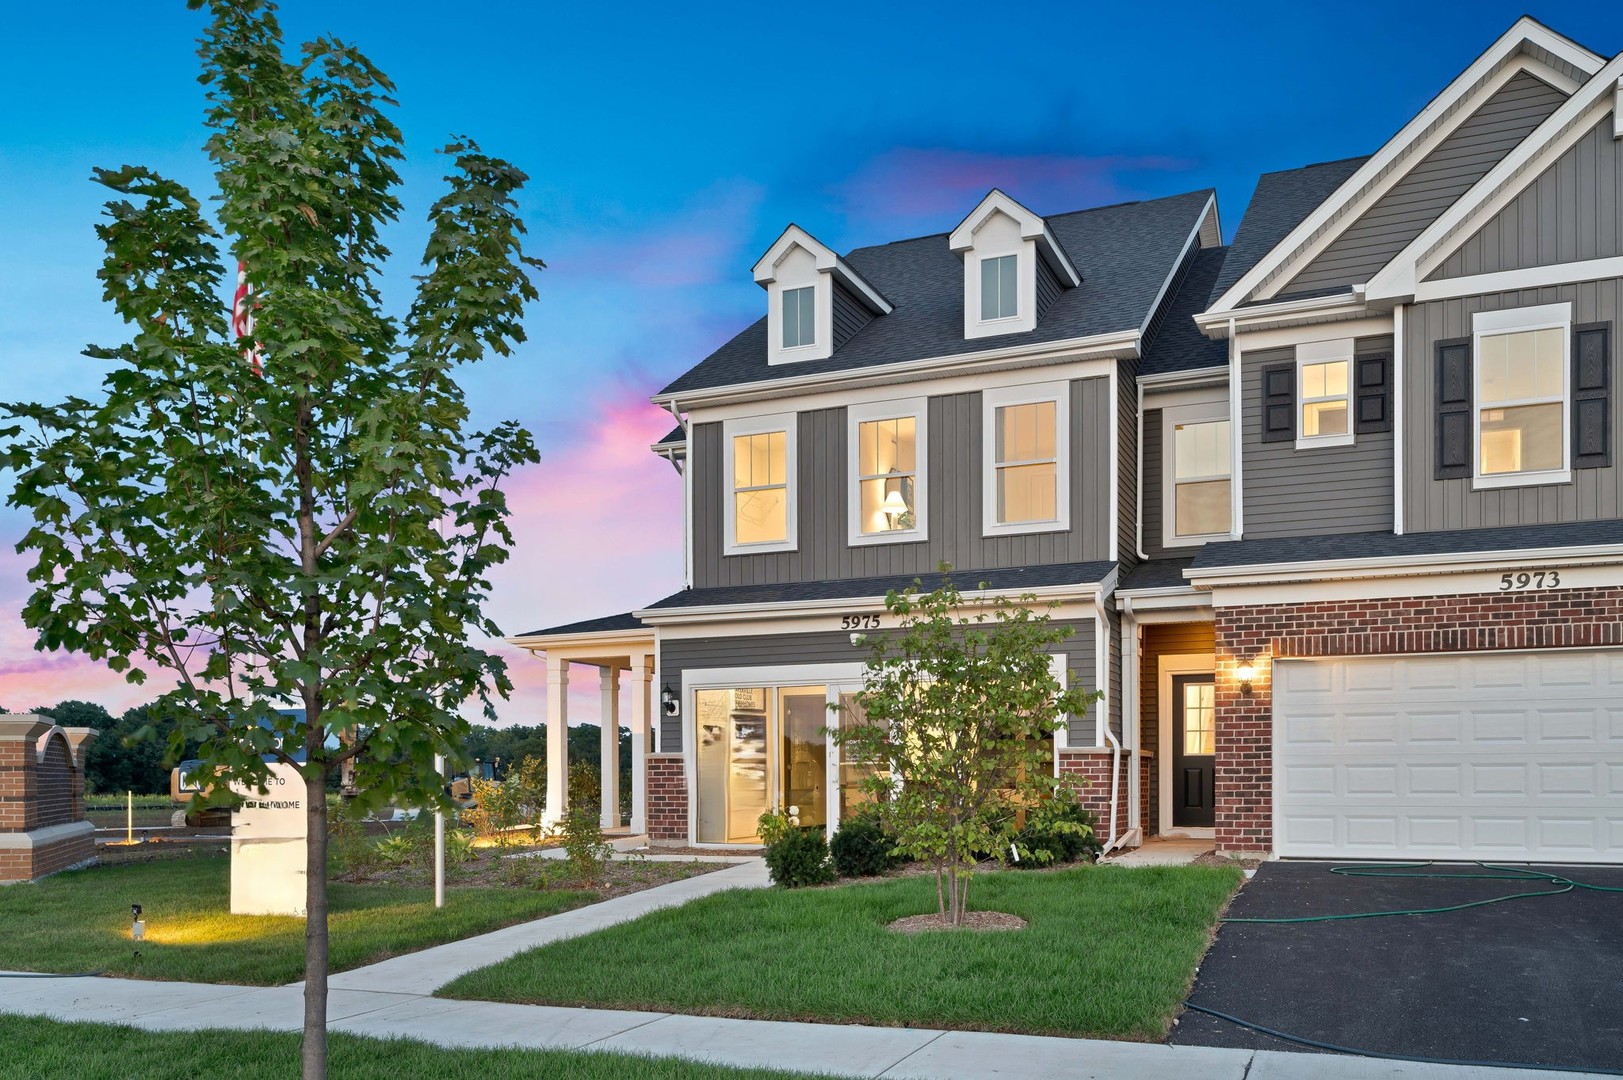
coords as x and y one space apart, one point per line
697 245
919 182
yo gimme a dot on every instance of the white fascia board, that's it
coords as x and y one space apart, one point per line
1532 277
1174 379
828 262
1119 343
1348 305
1196 237
542 642
1387 565
1397 280
777 609
1032 227
1313 231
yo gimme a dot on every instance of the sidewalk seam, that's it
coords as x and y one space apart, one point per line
897 1063
627 1031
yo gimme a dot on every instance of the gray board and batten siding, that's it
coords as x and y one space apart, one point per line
954 525
1314 491
677 655
1445 174
1432 504
1572 212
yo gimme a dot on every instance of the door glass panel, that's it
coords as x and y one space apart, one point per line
803 714
852 772
1199 716
731 763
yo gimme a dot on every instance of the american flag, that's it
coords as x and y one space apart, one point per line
242 319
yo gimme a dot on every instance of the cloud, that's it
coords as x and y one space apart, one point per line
696 245
915 182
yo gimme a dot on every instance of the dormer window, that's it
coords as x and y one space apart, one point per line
799 317
1000 289
1014 267
815 301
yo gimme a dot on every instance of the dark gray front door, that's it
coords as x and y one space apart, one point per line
1194 760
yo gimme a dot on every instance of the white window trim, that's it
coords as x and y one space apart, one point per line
1511 321
822 345
760 425
856 415
1308 354
1025 275
1000 397
1171 417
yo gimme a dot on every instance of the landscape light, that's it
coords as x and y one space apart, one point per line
138 928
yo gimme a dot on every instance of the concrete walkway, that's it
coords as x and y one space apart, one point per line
392 999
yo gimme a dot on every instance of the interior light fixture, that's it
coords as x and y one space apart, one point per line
894 507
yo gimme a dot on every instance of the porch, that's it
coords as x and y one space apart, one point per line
617 646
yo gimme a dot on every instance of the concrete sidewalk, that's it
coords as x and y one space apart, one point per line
393 999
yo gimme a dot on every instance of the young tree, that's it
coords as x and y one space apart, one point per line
296 515
955 713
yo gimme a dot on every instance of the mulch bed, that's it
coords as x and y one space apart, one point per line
971 920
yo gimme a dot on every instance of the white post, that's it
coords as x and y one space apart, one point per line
129 816
439 837
642 674
557 739
609 756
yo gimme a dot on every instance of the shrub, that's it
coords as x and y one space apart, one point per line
399 849
860 848
584 845
1058 830
799 857
774 825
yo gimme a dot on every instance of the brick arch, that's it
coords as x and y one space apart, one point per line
55 790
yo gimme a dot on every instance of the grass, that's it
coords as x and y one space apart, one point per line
33 1049
80 921
1109 952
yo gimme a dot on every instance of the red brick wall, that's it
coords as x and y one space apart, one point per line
1573 618
53 786
667 798
1092 768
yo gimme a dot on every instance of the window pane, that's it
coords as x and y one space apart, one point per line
777 460
1201 508
1324 418
1026 493
1008 291
906 452
1523 365
799 311
1199 716
886 504
989 280
762 516
1026 432
808 316
1201 449
1522 439
741 461
867 455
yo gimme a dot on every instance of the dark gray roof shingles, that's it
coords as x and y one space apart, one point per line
605 624
1020 577
1124 254
1177 344
677 436
1156 574
1374 545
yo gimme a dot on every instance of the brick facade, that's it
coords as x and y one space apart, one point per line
1092 766
42 812
1575 618
667 798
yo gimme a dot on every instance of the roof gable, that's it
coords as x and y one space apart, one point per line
1030 225
1526 47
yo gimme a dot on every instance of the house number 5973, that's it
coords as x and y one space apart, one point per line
1530 579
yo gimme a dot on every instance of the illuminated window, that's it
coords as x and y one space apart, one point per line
1521 378
1199 718
1027 472
1326 398
1198 504
760 465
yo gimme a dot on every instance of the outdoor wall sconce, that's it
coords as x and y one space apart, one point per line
669 701
1246 673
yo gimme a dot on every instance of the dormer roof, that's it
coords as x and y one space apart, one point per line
766 267
1032 227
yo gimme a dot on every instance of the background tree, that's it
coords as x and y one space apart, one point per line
956 711
320 535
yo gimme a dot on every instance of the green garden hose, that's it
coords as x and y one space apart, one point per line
1405 870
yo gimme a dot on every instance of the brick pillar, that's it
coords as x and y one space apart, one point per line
19 737
667 799
79 738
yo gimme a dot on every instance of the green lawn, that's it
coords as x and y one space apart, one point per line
1109 952
80 921
33 1049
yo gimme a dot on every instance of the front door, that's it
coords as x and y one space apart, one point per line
1194 751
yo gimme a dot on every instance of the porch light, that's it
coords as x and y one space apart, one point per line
1246 673
669 701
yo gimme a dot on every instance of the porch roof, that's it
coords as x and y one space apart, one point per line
601 625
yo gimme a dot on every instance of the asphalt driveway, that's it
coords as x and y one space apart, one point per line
1527 981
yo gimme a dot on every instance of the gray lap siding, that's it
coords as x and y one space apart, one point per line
767 651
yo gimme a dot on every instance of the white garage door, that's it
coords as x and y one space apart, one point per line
1515 756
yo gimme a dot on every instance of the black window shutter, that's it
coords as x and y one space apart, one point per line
1372 394
1453 408
1591 396
1279 403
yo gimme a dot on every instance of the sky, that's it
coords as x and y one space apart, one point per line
668 145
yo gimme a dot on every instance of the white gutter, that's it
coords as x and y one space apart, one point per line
1130 707
1102 678
775 609
1236 438
542 642
1342 305
1397 420
1178 378
1385 566
1138 495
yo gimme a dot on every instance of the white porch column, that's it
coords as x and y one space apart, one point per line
642 675
557 738
609 758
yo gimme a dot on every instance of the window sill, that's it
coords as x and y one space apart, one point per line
1317 442
901 536
1196 541
1025 528
1517 480
760 549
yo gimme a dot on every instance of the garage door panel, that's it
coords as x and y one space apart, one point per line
1500 756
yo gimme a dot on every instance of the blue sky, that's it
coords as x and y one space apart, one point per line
668 144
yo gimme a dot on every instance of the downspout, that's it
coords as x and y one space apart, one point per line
1130 707
1138 462
1103 676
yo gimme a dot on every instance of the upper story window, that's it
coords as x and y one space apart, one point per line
887 450
1324 393
1000 287
1197 503
799 317
1521 413
760 467
1026 481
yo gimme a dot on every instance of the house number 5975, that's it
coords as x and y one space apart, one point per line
1530 579
859 622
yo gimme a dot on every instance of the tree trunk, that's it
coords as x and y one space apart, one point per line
315 929
940 897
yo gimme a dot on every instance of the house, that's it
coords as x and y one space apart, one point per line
1333 510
